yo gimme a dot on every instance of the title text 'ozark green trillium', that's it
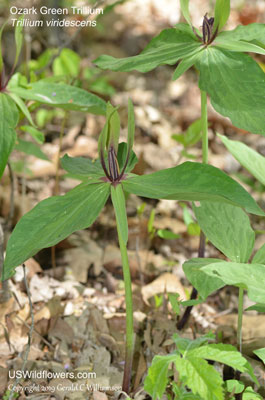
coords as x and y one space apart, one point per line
233 80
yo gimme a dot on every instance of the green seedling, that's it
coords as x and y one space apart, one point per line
193 228
55 218
189 138
162 233
203 380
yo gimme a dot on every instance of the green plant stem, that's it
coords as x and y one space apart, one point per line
204 118
240 318
129 316
56 189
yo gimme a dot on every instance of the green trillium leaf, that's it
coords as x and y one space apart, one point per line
167 48
228 228
82 166
249 158
248 276
239 46
260 307
228 78
9 121
52 220
218 274
186 63
61 95
259 257
192 181
204 283
251 33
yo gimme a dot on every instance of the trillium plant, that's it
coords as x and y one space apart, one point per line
234 81
235 85
55 218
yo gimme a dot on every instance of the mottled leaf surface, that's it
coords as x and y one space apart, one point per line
167 48
236 85
228 228
249 276
192 181
251 32
204 283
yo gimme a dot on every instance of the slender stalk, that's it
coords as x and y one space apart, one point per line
9 221
204 117
56 189
240 319
57 176
129 316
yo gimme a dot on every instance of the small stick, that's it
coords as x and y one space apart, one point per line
29 334
37 333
